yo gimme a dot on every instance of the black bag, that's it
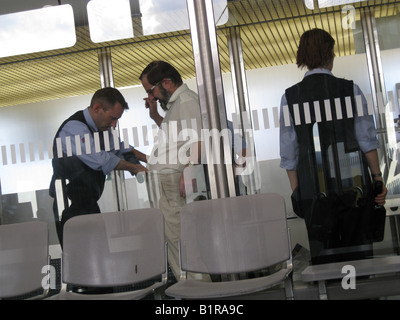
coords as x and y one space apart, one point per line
373 216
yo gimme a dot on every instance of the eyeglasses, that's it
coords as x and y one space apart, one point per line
150 91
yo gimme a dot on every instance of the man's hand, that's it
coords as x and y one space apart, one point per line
131 167
151 104
137 168
380 198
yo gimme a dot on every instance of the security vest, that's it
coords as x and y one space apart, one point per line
80 182
330 160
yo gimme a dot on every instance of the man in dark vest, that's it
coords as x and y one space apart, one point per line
327 147
82 169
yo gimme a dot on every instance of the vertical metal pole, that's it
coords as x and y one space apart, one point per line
374 65
136 18
241 97
105 65
238 70
375 72
379 96
210 89
376 79
107 80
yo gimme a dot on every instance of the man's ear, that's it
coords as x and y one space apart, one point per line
97 107
167 84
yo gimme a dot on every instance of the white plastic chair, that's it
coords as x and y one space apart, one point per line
114 249
233 236
24 260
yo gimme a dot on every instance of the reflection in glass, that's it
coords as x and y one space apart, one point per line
38 30
342 169
318 158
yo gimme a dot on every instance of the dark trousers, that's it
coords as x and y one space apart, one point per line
76 208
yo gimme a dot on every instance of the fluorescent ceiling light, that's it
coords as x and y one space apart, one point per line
37 30
109 20
329 3
162 16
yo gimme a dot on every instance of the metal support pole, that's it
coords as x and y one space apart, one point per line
375 72
242 104
377 82
105 65
107 80
238 71
210 89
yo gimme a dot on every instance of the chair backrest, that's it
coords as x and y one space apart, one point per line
114 249
24 252
233 235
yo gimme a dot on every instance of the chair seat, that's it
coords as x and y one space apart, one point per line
232 236
193 289
363 268
129 295
24 255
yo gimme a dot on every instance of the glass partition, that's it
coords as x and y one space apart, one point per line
27 132
269 55
39 91
388 31
129 61
60 82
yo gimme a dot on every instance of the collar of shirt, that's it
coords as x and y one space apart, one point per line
176 94
318 70
89 120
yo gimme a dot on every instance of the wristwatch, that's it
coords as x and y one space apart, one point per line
376 175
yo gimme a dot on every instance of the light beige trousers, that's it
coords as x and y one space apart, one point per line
164 193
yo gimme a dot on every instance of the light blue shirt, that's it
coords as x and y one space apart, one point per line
364 127
103 160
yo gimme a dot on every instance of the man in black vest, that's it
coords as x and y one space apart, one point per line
319 131
82 172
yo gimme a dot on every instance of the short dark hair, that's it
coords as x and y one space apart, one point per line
108 97
315 49
159 70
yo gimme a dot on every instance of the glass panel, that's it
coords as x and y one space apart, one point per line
269 53
26 138
37 30
38 92
388 30
140 129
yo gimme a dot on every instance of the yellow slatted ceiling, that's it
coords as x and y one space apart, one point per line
270 31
